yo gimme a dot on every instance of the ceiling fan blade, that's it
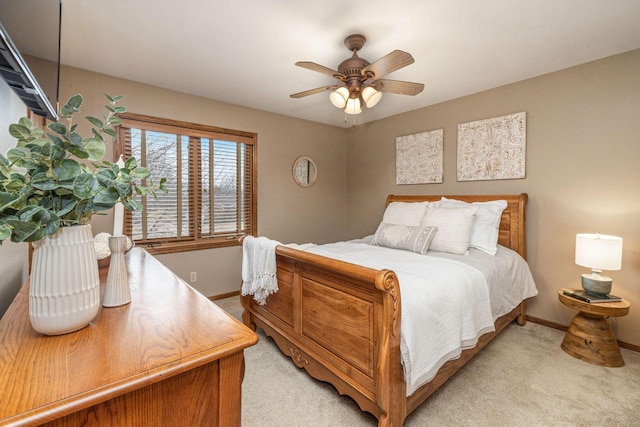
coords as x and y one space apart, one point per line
320 69
387 64
399 87
313 91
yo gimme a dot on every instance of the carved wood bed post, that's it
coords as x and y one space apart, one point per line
390 388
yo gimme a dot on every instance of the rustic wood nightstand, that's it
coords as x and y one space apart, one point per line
590 337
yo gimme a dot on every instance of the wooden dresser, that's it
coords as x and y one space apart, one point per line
169 358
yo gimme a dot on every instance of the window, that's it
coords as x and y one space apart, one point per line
211 178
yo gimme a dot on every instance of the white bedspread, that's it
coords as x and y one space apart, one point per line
446 299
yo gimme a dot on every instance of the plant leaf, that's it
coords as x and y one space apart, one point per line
24 121
42 182
57 154
84 185
14 185
95 148
106 177
96 122
5 232
19 131
58 128
17 153
132 205
107 196
21 230
115 121
66 208
96 134
38 142
79 152
7 200
36 235
64 190
65 112
55 140
34 213
124 189
131 163
76 139
142 173
53 225
67 170
75 101
110 132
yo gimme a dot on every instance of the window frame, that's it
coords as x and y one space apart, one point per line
169 245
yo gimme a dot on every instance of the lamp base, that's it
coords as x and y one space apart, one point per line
596 284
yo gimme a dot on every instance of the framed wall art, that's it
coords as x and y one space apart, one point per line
494 148
419 158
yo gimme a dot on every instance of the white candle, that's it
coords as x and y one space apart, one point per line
118 211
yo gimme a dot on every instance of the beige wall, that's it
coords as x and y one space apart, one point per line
286 211
583 171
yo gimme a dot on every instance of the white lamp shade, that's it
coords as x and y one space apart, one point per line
353 106
339 97
371 96
599 251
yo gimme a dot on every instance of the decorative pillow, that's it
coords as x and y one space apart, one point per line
487 225
455 226
405 213
407 237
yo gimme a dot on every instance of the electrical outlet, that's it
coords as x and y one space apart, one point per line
193 276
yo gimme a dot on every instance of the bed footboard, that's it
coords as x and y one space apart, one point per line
341 323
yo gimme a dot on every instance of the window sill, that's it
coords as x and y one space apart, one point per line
170 248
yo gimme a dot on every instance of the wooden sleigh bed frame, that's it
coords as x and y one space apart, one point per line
341 322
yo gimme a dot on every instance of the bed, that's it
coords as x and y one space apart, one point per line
341 321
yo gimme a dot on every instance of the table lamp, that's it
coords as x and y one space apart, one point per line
598 252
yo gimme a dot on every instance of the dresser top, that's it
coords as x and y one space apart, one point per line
168 328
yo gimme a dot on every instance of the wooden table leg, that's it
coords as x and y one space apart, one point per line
590 338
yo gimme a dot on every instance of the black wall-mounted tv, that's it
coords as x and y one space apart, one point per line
30 52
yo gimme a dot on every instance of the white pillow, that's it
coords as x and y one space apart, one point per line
407 237
487 225
455 226
405 213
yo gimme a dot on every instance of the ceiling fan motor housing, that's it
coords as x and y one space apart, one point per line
353 79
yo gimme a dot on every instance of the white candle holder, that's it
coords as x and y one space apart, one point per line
117 291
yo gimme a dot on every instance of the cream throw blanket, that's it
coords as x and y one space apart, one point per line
259 268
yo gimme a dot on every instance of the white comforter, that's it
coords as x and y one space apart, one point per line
448 301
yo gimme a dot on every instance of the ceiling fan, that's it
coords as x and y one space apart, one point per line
360 80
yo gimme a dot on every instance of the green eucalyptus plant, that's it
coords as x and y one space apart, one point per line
57 179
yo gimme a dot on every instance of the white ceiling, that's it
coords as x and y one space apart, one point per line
243 51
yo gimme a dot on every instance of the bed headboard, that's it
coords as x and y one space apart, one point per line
512 224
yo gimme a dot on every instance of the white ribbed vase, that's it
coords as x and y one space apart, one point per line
64 290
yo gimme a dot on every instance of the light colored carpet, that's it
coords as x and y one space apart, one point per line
523 378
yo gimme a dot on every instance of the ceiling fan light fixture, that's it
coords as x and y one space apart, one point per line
359 79
353 106
371 96
339 97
